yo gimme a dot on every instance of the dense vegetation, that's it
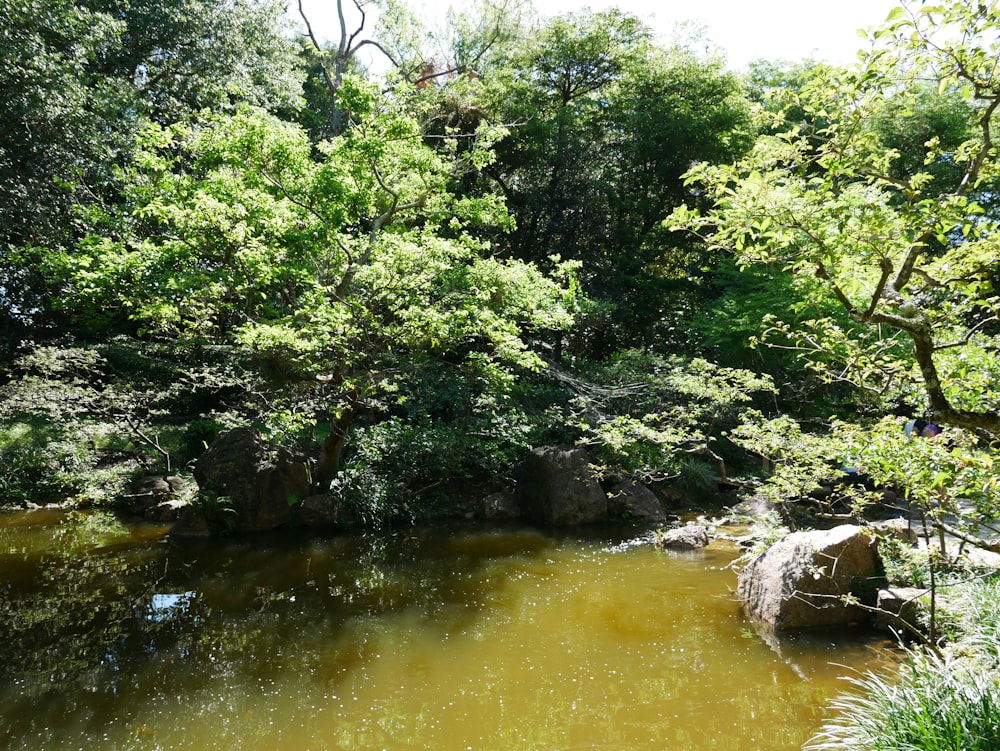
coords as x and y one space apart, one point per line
520 230
515 231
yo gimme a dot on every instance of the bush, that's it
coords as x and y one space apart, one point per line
198 435
43 464
937 704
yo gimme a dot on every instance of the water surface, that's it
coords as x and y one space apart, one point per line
447 639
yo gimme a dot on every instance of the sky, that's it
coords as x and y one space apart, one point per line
743 30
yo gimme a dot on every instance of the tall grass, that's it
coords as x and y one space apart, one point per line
936 702
974 610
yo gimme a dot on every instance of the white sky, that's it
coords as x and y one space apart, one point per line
743 30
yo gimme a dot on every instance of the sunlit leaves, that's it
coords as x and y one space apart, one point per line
650 412
333 263
881 226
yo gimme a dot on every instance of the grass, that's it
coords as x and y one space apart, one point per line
937 702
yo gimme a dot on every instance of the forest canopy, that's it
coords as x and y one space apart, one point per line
516 231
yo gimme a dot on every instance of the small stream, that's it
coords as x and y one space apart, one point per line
448 638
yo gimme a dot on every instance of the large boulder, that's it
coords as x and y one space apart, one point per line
630 500
327 511
802 580
262 482
557 487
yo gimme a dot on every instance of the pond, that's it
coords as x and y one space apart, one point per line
447 638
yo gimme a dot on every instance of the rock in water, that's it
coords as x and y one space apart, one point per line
557 487
261 481
801 581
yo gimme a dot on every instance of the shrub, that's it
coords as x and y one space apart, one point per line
198 435
937 704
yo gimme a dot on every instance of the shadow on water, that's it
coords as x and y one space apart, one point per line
447 638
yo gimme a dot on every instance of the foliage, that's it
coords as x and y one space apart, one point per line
973 611
449 438
905 564
913 254
181 56
949 480
51 113
948 700
198 436
648 413
328 269
85 418
767 319
35 467
934 704
79 80
606 124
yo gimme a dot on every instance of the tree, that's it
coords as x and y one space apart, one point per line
604 124
336 269
903 250
79 80
407 46
51 136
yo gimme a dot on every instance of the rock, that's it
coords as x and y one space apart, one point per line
557 487
899 607
327 511
688 537
152 490
192 524
630 500
261 481
498 507
752 507
799 582
167 511
896 528
982 559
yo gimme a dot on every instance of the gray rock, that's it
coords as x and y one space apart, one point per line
327 511
800 581
152 490
167 511
688 537
557 487
192 524
630 500
899 607
498 507
262 481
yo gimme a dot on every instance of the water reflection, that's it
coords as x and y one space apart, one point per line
444 639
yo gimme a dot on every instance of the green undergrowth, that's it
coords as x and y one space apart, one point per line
945 699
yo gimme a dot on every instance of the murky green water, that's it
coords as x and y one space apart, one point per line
447 639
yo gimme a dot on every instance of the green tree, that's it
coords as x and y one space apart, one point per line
79 79
604 123
52 137
334 269
901 251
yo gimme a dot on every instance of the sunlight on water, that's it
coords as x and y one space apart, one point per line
448 640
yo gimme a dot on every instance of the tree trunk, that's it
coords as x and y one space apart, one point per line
331 453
